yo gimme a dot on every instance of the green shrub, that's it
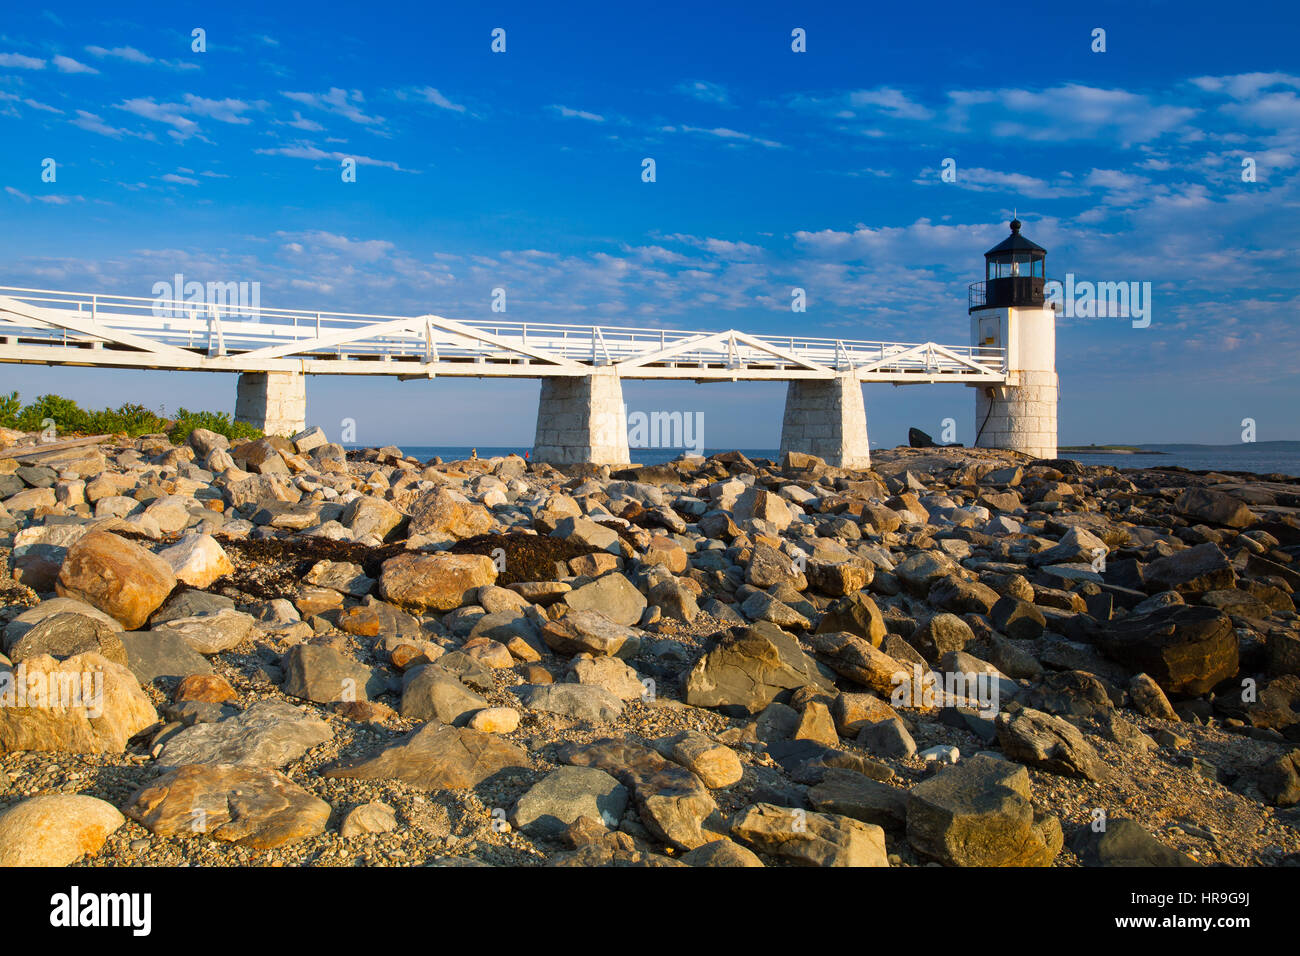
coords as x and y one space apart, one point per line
10 406
219 422
129 419
64 412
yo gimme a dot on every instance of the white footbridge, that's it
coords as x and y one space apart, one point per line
580 365
50 327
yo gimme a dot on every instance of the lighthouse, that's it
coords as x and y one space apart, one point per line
1008 311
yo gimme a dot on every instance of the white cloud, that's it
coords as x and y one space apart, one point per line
128 53
340 102
428 94
570 113
66 64
307 151
94 124
51 199
706 92
722 132
19 62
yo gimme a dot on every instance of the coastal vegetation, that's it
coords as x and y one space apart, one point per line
68 418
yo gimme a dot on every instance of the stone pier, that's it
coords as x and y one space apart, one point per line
1021 417
275 402
827 419
582 419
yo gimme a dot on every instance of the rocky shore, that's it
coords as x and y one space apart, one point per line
282 653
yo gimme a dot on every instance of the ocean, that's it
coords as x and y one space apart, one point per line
1265 457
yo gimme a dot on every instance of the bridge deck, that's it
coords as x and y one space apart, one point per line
51 327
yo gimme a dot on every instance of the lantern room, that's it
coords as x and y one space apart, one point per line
1014 274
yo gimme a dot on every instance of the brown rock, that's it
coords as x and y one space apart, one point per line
209 688
439 582
85 704
260 809
55 830
117 576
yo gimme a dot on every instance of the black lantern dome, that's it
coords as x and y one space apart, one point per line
1014 272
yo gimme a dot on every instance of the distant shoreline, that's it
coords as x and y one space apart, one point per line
1107 450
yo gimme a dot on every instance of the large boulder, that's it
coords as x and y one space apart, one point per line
270 734
117 576
756 503
431 693
810 839
197 560
564 795
860 661
326 676
68 634
979 813
442 513
580 701
211 633
434 757
611 595
85 704
672 802
55 830
588 632
1214 507
747 671
1192 571
1186 649
247 806
1050 743
1123 842
437 582
856 613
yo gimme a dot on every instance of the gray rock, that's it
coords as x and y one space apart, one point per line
851 794
156 654
580 701
435 758
611 595
68 634
1041 740
745 673
269 734
324 675
211 633
1124 843
564 795
1192 571
433 694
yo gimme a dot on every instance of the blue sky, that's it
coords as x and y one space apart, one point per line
774 169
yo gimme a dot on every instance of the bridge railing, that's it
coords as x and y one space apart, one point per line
234 327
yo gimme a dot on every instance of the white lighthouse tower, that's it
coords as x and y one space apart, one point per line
1008 311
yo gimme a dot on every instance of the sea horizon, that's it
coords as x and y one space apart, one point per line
1260 458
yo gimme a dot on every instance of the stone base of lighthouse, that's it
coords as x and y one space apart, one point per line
582 419
275 402
827 419
1020 417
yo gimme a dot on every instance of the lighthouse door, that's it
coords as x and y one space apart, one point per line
990 331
